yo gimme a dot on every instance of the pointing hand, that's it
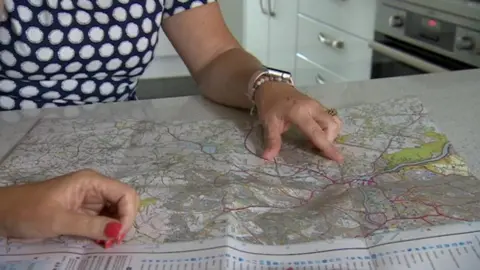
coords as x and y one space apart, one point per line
280 105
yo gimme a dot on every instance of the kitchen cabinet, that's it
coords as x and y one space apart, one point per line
310 74
353 16
307 37
265 28
282 33
333 49
317 41
255 20
333 36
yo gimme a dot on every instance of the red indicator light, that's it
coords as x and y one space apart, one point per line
432 23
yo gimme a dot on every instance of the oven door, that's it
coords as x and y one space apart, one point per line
392 58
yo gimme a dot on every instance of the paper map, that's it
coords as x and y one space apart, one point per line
203 181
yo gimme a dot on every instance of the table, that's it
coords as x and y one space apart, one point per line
452 99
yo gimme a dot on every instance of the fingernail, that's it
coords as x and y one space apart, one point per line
120 238
108 244
112 229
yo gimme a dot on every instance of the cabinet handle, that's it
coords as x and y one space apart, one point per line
270 9
337 44
262 8
319 79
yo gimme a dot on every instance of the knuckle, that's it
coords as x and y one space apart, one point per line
331 123
297 109
133 194
316 132
86 173
304 106
129 191
312 103
337 120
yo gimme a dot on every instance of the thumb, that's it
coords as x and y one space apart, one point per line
90 226
273 139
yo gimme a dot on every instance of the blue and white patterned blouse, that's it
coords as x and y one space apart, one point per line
72 52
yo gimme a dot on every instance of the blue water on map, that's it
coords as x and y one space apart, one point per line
190 145
209 149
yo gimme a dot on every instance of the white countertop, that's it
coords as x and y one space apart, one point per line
452 99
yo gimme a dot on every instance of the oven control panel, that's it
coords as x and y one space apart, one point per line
445 34
430 30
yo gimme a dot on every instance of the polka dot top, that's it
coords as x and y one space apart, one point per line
71 52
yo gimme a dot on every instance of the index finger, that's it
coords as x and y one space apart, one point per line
318 137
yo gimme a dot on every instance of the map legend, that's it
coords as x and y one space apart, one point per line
442 248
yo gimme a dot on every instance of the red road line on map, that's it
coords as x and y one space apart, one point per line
402 198
423 218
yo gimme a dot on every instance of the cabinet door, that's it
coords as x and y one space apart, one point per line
356 17
233 16
351 58
282 35
308 74
255 31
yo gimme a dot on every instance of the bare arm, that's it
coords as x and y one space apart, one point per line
217 62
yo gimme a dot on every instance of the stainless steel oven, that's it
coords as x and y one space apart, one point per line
425 36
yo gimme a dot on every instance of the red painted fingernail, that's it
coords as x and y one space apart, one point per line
108 244
112 229
120 238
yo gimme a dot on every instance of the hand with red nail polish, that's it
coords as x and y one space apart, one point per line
83 203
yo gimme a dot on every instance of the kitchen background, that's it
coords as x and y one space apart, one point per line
331 41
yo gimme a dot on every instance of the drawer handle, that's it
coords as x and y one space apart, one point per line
270 9
319 79
261 7
337 44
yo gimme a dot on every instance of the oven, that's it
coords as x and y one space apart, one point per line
413 39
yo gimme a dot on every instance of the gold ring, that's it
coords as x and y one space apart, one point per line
332 112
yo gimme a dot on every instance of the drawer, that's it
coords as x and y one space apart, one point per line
354 16
308 74
335 50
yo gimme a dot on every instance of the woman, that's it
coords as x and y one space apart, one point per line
72 52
